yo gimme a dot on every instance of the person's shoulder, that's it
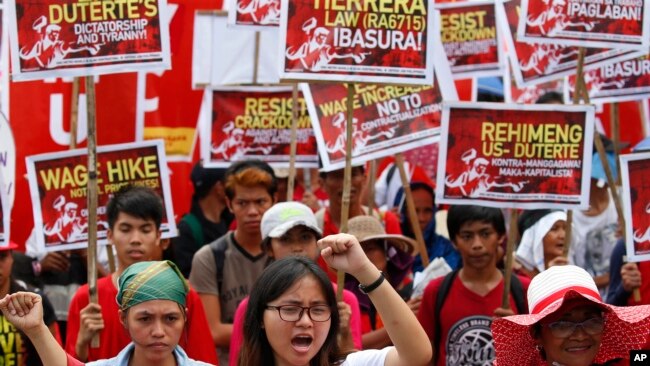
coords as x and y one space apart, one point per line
434 285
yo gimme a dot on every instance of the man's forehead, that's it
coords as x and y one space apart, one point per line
251 193
125 218
476 226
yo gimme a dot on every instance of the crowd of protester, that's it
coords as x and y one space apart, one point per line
251 280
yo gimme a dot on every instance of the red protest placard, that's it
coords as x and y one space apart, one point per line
509 155
372 42
57 183
55 38
616 82
636 203
471 40
586 23
386 120
530 94
252 122
535 63
254 13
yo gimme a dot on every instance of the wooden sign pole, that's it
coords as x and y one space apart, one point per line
412 214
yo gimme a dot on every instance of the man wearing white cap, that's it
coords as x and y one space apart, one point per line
289 228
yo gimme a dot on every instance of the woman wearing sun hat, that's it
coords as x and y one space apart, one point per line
569 325
151 297
393 256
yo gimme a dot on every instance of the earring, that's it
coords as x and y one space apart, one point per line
539 348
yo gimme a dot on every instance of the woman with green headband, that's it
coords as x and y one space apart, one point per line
151 297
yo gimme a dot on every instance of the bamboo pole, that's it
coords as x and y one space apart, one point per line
74 113
256 58
371 186
616 136
347 183
91 191
510 247
294 136
577 92
412 214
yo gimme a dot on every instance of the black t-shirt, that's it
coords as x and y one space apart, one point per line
15 347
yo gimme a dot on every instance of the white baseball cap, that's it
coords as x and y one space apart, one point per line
284 216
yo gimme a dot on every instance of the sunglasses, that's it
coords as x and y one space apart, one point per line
563 329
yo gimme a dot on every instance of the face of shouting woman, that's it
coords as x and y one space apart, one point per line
298 322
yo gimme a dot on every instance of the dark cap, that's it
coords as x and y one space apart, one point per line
204 178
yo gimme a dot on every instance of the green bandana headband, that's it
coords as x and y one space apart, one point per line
146 281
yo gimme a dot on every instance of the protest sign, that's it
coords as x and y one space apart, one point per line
57 183
586 23
226 56
516 156
529 94
636 203
471 38
535 63
56 38
260 14
255 122
386 120
370 42
7 160
616 82
4 214
169 107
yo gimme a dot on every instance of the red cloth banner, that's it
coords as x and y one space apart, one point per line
516 156
254 13
252 122
57 183
616 82
471 39
56 38
535 63
371 41
386 120
636 203
586 23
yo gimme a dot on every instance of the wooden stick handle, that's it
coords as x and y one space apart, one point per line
347 182
92 198
510 248
412 214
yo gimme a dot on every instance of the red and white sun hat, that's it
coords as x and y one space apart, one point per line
626 328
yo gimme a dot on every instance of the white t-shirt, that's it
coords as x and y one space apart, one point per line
371 357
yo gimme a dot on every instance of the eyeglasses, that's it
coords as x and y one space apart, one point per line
293 313
563 329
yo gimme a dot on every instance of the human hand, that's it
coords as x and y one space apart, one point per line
55 262
310 200
24 310
501 312
90 323
558 261
345 313
344 253
414 304
630 277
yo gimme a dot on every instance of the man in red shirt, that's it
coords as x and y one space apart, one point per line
134 217
460 333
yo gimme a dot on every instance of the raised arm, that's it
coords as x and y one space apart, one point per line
25 311
343 252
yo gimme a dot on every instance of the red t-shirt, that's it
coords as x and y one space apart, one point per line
196 340
466 318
